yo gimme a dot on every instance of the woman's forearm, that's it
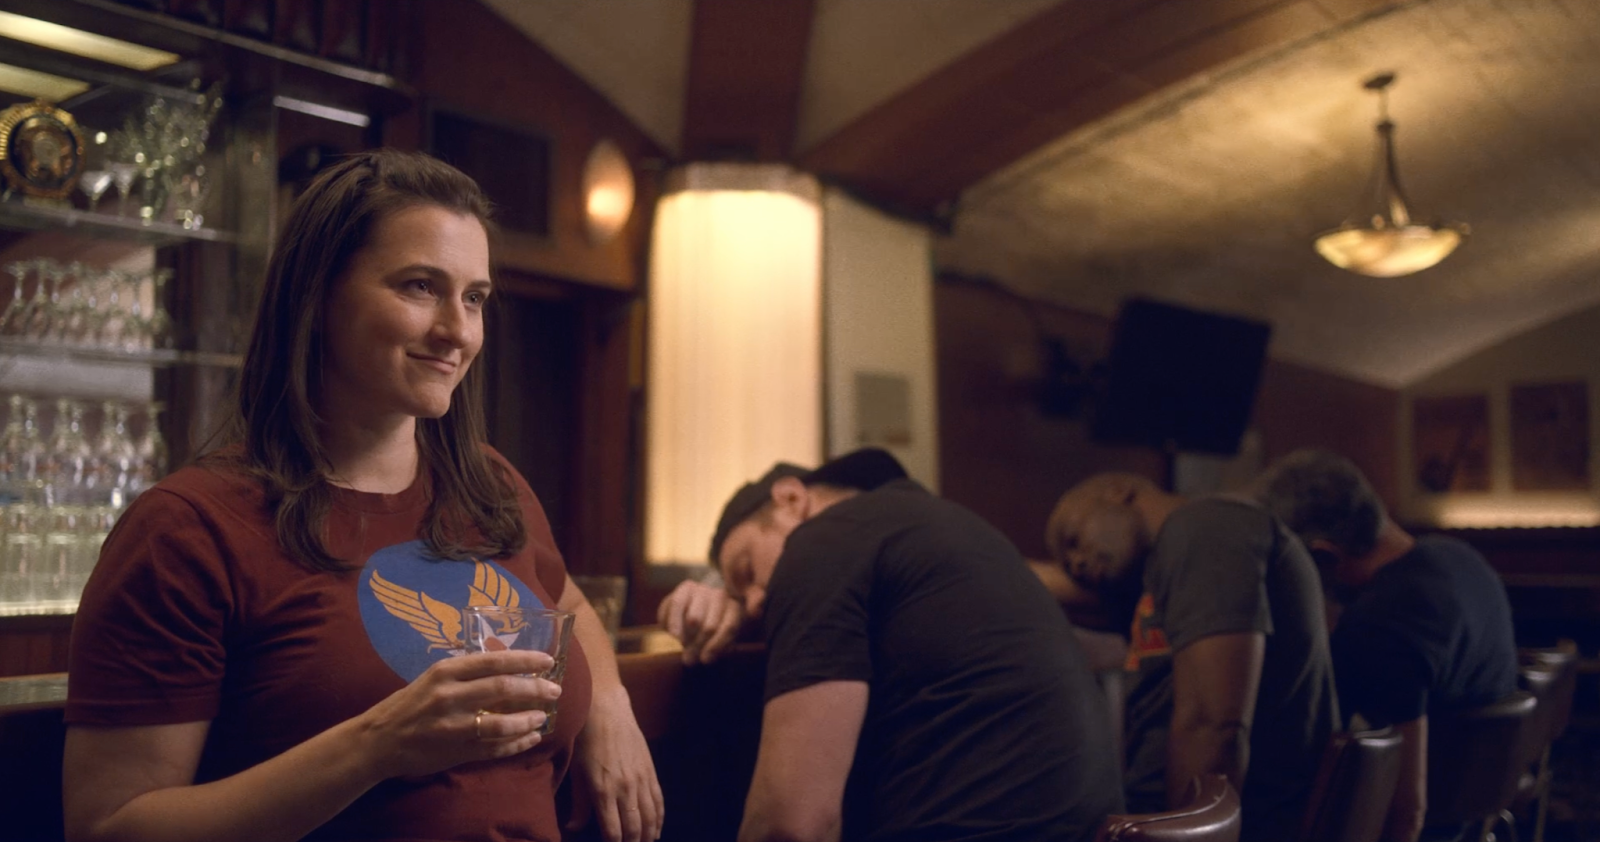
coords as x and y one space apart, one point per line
278 800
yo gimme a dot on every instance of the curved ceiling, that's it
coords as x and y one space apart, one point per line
1186 150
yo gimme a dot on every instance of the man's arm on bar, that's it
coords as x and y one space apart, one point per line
808 741
703 617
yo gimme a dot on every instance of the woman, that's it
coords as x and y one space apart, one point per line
270 647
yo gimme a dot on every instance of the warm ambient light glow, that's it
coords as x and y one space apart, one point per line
68 40
607 190
734 354
1493 513
1386 242
32 84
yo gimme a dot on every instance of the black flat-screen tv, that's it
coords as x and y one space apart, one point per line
1180 379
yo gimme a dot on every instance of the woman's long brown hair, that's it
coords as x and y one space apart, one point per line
473 508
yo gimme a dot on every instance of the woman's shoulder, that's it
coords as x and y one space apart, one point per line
217 479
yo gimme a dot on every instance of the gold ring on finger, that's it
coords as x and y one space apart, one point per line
477 724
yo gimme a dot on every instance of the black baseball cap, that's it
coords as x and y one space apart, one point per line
863 469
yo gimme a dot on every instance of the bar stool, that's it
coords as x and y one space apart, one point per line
1350 799
1551 675
1475 758
1212 815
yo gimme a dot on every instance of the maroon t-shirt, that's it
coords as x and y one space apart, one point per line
195 613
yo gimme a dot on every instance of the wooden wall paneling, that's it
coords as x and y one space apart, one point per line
1000 454
746 64
604 458
392 34
248 17
34 645
297 24
1004 457
507 78
204 12
1303 407
344 30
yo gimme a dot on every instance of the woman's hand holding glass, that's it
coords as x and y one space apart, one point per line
479 706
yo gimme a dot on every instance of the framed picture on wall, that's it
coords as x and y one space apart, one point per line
1450 442
1550 437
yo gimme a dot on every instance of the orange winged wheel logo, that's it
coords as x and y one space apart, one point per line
439 622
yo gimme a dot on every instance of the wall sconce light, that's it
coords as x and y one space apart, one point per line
1382 240
607 191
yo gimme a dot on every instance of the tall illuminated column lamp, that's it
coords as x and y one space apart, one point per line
734 348
1382 239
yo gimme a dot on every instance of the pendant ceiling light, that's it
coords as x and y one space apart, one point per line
1382 240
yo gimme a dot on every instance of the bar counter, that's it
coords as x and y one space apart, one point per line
703 724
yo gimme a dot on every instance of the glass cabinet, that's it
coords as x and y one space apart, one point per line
121 318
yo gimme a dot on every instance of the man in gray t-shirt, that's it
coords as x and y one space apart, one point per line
1229 643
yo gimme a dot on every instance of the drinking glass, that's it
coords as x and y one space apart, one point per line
607 595
20 553
51 318
491 628
68 454
158 325
18 270
115 456
62 546
36 310
22 451
93 184
107 323
152 449
122 175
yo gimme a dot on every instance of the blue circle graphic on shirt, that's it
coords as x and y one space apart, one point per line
411 603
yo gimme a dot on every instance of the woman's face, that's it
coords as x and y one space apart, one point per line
405 320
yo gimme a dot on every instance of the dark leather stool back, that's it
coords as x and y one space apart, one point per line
1557 686
1354 786
1475 758
1551 675
1540 683
1212 815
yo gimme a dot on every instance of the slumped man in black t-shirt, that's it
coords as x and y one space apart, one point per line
921 683
1425 625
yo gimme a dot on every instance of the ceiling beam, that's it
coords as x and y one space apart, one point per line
746 64
1074 63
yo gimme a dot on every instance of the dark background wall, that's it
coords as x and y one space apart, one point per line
1005 456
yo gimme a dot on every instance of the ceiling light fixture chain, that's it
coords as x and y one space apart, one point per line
1383 241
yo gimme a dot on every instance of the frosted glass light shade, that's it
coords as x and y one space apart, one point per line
1387 252
734 350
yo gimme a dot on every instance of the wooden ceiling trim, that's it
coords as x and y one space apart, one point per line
1163 29
746 67
1073 64
1282 25
916 121
1348 10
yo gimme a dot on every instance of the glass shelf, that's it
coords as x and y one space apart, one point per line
147 359
44 608
17 213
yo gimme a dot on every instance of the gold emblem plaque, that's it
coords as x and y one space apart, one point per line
43 149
